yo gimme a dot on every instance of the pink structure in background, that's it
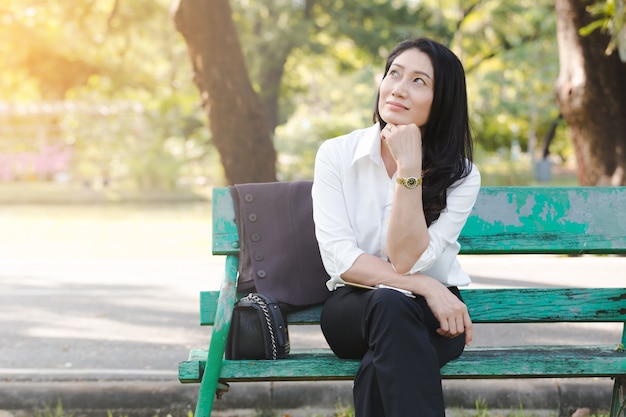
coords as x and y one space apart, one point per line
45 164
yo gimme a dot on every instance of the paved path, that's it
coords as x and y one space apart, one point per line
93 330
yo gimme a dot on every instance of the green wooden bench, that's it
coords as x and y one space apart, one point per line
505 220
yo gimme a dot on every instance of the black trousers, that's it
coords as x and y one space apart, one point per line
401 353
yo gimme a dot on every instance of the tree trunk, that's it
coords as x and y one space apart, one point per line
270 80
237 120
591 94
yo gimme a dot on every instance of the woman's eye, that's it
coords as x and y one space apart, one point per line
393 73
419 81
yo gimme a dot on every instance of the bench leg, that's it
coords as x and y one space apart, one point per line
618 402
210 387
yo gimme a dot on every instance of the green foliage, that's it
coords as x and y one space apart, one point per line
320 102
318 60
57 411
372 27
611 19
126 69
507 48
481 410
481 407
511 64
344 411
269 32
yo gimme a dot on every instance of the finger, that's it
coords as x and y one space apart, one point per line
460 328
469 329
452 327
444 327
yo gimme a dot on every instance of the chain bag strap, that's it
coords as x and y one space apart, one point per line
258 329
268 322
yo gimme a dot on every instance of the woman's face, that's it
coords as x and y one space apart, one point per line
406 92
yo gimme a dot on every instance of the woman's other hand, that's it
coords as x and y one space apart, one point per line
454 319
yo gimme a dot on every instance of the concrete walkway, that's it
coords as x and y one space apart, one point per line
107 334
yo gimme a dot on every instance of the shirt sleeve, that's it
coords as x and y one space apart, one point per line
445 231
333 230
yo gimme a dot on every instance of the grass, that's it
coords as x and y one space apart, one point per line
46 192
481 410
57 411
496 170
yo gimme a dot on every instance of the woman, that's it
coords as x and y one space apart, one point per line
389 203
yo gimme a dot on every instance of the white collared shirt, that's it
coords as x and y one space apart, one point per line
352 199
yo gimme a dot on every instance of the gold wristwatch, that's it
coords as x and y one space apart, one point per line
409 182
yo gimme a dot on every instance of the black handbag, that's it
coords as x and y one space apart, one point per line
258 329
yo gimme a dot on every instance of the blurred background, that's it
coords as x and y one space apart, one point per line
100 101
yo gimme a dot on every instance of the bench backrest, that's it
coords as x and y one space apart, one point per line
506 220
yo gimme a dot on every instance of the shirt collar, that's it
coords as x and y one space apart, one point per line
369 145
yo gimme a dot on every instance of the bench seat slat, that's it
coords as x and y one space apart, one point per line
501 362
526 305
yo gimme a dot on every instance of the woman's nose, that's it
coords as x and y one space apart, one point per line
398 91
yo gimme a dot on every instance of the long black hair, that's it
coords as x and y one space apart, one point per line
447 143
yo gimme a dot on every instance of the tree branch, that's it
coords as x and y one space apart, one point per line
466 13
113 14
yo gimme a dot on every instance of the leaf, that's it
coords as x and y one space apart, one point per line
596 24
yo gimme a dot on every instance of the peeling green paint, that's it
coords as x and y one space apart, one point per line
547 220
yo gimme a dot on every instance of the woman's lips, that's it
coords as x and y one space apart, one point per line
394 105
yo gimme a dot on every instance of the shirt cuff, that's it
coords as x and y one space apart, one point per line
424 262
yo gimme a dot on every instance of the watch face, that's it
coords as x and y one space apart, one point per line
411 182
